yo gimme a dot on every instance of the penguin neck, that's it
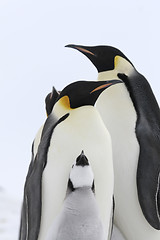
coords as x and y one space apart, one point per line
139 89
142 96
60 110
81 200
108 75
126 69
80 114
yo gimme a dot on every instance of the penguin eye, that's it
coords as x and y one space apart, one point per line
72 165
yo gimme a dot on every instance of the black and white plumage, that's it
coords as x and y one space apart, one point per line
131 114
79 216
73 125
31 208
50 100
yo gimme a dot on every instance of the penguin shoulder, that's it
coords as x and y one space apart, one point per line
37 140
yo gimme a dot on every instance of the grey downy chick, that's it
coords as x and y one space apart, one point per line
79 218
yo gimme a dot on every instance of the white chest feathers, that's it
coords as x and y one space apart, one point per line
82 130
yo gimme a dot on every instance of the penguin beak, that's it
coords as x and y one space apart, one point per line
82 49
50 100
82 153
106 85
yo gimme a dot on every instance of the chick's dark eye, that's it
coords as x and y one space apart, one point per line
72 165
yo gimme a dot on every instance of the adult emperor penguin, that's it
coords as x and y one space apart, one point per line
131 114
79 217
40 147
50 100
73 125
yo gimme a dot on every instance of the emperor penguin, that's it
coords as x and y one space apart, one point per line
74 124
50 100
131 114
79 216
40 145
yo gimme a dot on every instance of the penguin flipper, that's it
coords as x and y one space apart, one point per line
148 135
23 222
111 220
148 175
32 201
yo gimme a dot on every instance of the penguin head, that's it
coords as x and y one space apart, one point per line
106 58
50 100
81 174
83 93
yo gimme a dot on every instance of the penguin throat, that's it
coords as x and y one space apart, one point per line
65 103
121 66
62 107
108 75
112 75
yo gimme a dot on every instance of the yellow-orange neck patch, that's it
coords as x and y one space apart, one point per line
64 101
116 61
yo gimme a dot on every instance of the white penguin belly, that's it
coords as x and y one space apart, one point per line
119 116
82 130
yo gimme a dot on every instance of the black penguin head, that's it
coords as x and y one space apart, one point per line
50 100
81 174
104 58
83 93
82 160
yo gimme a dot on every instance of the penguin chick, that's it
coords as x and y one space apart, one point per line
79 217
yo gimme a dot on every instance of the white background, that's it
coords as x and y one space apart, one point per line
33 59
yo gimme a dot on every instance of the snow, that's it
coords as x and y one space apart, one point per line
10 209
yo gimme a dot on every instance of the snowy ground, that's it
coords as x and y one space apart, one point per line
10 218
